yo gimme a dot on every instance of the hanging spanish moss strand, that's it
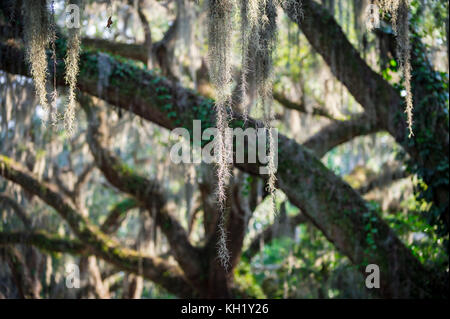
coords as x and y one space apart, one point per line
244 56
72 69
249 21
404 48
268 34
220 27
54 94
399 11
37 38
263 73
223 253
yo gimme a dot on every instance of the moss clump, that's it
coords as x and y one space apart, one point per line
37 37
72 70
220 27
399 11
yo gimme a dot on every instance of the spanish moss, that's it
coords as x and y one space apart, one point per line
220 27
263 66
37 37
71 62
399 11
54 94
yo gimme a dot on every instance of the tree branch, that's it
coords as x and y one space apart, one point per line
153 268
339 132
44 241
